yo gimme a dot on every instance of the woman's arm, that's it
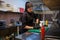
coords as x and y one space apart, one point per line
31 27
28 27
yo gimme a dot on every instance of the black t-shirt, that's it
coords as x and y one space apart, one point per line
28 19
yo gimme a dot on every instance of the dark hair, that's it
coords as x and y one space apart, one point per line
27 6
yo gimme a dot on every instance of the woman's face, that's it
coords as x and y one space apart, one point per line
30 9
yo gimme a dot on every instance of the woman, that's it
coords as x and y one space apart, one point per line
29 17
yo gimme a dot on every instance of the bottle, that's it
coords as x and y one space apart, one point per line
46 22
42 32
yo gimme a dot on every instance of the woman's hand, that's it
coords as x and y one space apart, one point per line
29 27
37 21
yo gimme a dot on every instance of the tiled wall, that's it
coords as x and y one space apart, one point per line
7 16
48 17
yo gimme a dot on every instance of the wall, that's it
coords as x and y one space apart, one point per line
9 15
